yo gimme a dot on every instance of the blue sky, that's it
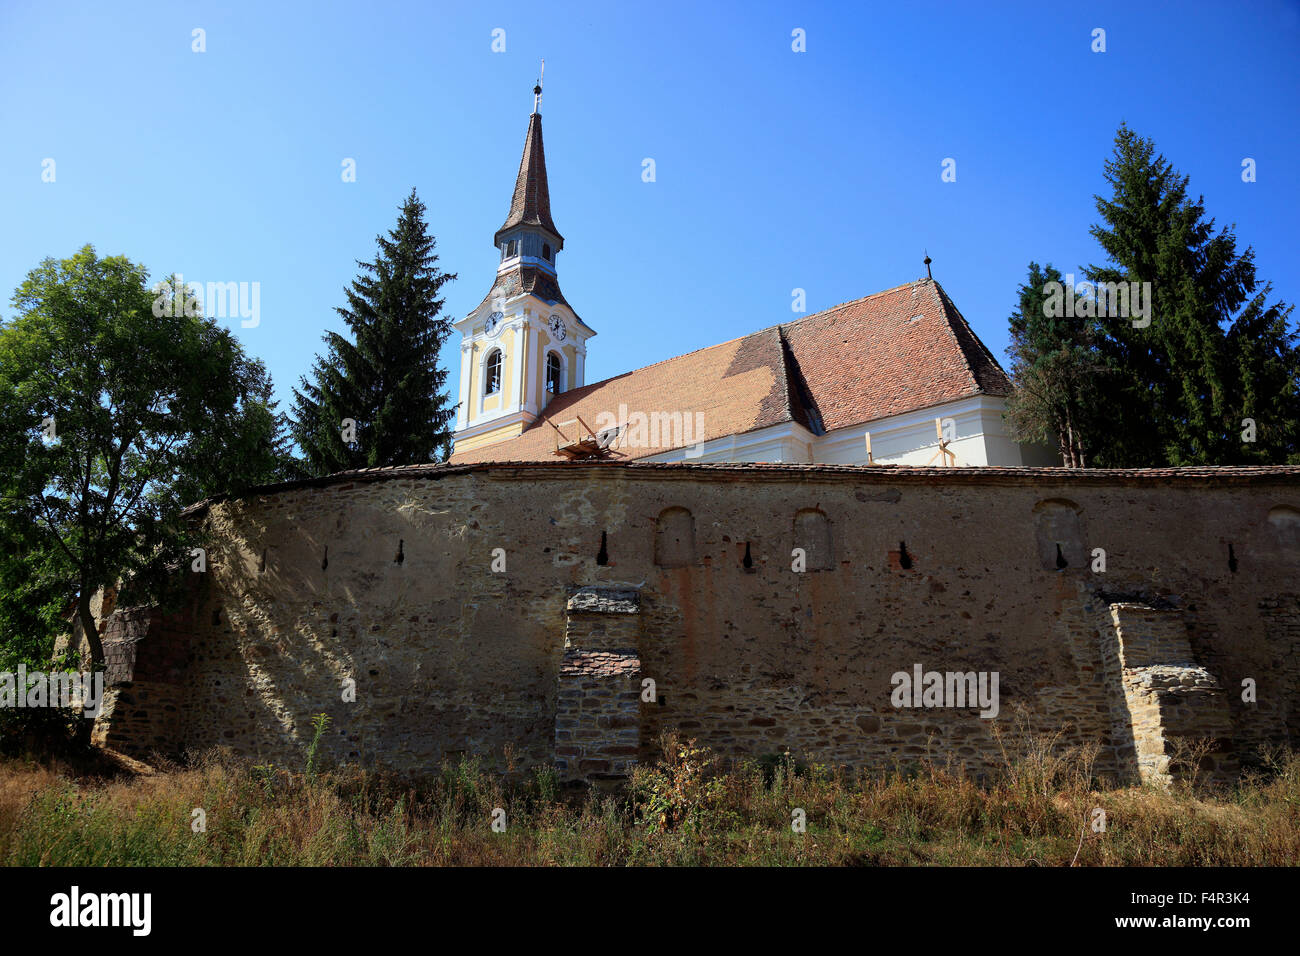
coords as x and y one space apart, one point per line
776 170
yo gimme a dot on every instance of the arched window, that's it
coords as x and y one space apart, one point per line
546 251
492 376
554 374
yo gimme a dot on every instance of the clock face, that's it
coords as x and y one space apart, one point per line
494 323
558 329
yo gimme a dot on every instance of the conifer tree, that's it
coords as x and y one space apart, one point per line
385 381
1215 353
1059 374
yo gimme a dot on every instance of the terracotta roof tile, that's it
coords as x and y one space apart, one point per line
726 389
896 351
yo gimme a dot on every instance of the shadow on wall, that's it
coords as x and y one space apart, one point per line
447 660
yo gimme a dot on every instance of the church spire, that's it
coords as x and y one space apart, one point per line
523 344
531 203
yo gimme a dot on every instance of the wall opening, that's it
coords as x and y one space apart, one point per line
675 538
1285 522
904 559
812 532
1059 535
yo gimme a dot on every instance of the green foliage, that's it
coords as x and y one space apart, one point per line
35 593
265 774
150 412
318 723
37 729
1216 352
679 791
386 379
782 766
1176 391
547 782
1059 374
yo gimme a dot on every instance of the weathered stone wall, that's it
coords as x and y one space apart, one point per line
598 715
386 578
1171 701
147 658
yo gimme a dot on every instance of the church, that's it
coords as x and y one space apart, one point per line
896 377
701 547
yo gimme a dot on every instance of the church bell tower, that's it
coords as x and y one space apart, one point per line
523 344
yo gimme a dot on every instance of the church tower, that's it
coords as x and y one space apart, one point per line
523 344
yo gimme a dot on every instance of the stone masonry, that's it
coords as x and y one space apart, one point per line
597 710
682 574
1170 698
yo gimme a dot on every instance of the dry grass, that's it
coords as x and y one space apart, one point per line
687 809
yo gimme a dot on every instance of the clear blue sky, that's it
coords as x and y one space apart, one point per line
818 170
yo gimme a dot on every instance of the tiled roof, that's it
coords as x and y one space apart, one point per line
902 349
522 280
896 351
730 388
531 203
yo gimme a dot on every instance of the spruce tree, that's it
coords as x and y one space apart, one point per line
1215 353
386 380
1059 374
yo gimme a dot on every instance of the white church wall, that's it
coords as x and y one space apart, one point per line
907 439
784 443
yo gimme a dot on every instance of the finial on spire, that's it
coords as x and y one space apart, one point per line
537 90
927 265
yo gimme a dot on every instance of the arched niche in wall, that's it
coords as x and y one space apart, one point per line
674 538
812 532
1284 521
1060 535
